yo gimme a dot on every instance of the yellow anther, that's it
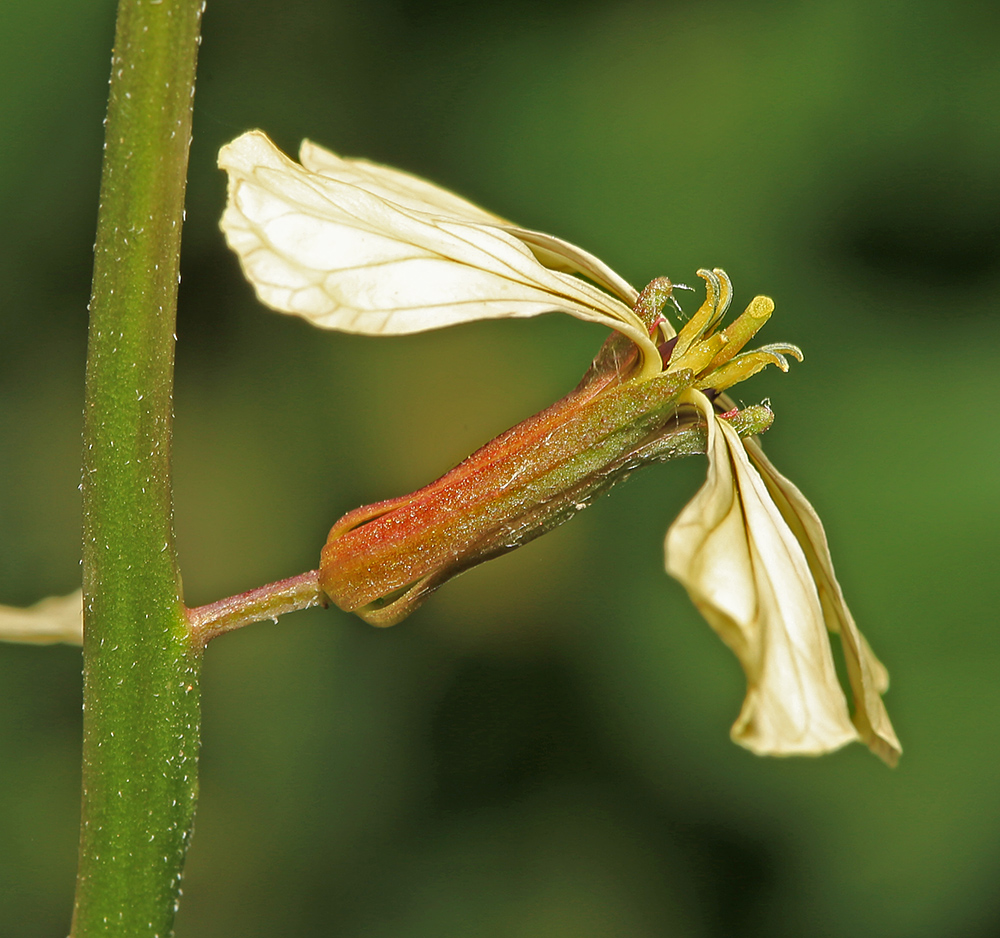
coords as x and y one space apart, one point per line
744 328
746 365
718 293
700 355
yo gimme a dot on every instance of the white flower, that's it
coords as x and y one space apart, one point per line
55 619
359 247
354 246
743 560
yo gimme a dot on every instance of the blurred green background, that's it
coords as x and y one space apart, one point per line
542 749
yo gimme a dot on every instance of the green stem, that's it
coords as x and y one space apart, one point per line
141 696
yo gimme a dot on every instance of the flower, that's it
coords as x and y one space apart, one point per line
351 245
54 619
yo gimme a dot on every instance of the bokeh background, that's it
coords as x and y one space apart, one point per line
542 749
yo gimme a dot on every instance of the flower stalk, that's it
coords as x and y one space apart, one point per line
256 605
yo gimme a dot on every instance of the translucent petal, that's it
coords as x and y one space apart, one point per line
745 571
418 194
359 247
391 184
556 254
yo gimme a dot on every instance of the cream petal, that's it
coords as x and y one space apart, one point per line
393 185
746 573
556 254
868 676
418 194
55 619
354 246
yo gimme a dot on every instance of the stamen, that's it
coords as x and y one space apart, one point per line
717 296
742 329
698 356
783 347
744 366
725 288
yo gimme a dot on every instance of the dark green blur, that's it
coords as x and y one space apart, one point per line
542 749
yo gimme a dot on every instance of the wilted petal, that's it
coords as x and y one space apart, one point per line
55 619
746 573
868 676
354 246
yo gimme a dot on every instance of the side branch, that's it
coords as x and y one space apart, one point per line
256 605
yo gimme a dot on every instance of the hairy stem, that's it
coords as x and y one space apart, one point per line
141 695
256 605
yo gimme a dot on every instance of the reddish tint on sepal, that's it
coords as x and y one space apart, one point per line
381 561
